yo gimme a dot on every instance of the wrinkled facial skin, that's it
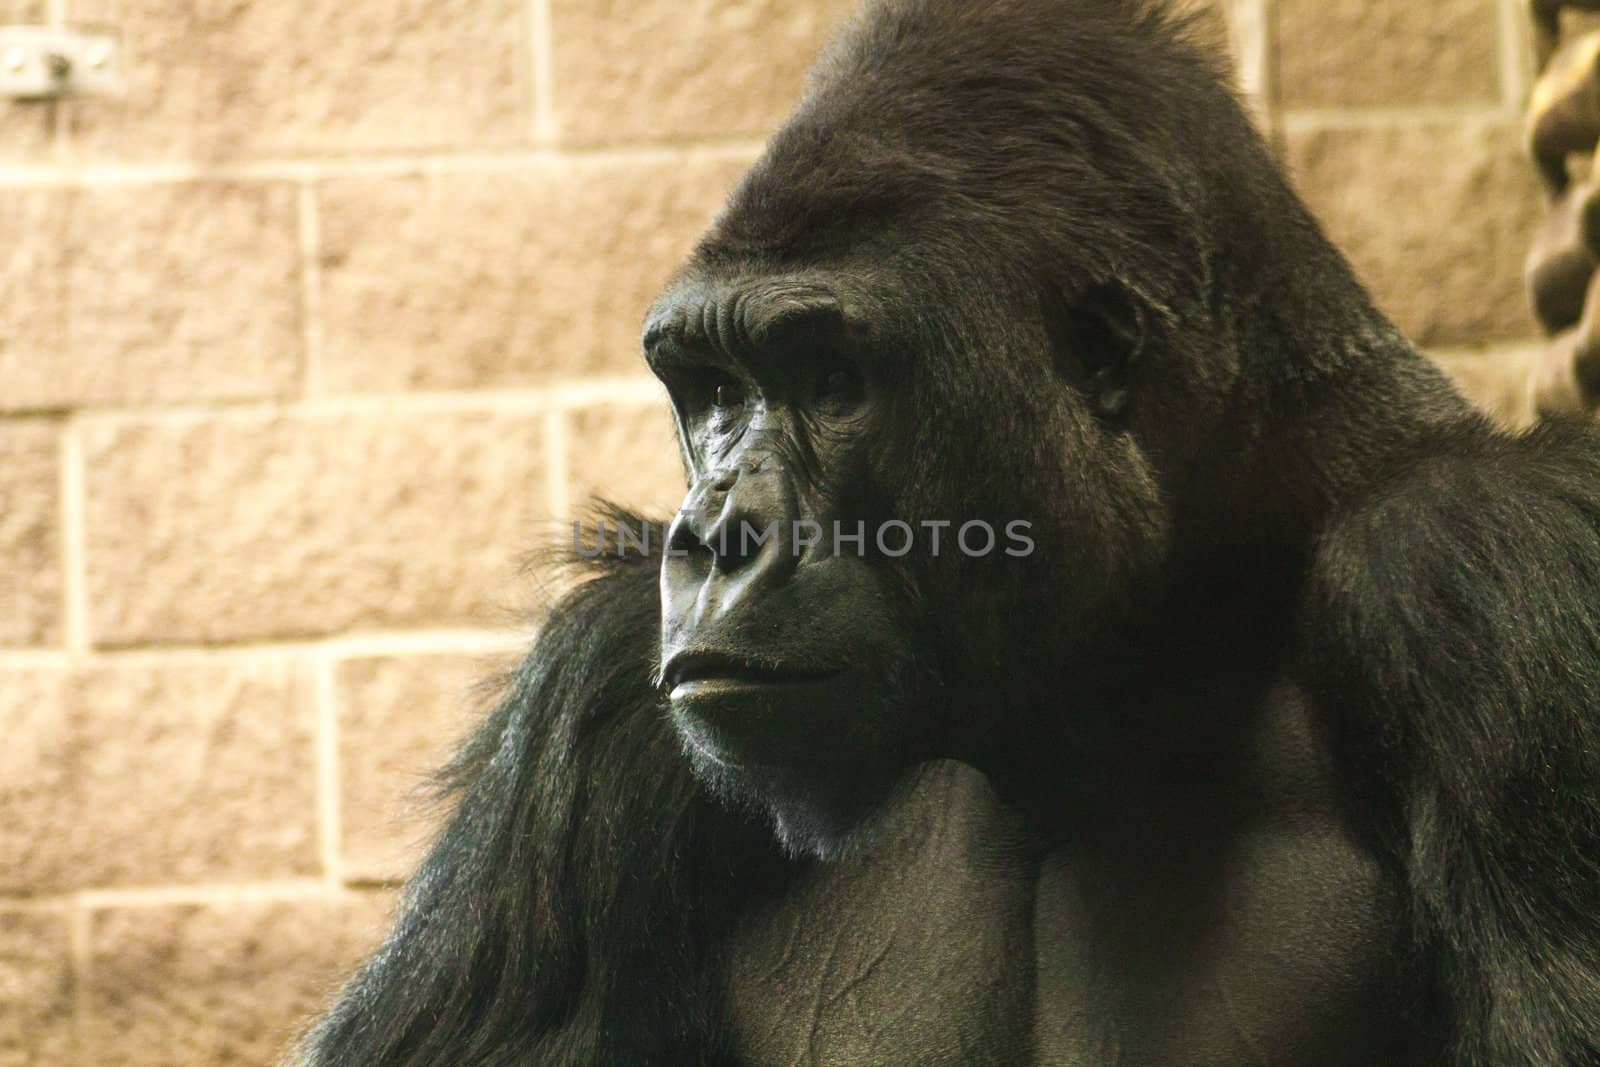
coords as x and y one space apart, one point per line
785 664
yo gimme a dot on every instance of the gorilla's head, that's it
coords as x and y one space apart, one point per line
947 372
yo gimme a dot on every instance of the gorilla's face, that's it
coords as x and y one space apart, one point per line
785 649
892 549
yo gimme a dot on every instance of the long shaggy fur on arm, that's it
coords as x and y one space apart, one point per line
1458 641
572 909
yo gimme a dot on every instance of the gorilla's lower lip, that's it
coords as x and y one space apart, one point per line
689 672
709 685
769 718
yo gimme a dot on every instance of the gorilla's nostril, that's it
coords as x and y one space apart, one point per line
683 540
729 549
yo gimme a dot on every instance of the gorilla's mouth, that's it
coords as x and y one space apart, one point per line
692 673
758 714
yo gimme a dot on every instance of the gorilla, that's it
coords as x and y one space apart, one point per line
1270 734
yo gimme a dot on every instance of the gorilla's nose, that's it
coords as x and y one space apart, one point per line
733 535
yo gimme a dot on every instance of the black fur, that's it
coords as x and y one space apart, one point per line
1452 616
1063 179
570 911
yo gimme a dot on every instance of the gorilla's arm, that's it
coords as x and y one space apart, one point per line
571 909
1454 633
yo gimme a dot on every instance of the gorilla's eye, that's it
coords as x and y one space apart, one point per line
727 395
838 384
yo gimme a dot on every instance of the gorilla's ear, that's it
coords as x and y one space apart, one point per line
1099 333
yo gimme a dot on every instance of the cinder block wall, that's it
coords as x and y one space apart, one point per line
306 341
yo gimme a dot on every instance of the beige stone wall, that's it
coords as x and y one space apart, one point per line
309 338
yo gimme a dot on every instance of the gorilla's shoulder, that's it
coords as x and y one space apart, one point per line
1476 564
1481 515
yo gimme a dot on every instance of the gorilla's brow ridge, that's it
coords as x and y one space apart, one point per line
742 325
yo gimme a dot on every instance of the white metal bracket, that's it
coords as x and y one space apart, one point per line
44 62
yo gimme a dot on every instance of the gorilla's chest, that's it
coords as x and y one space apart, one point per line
933 951
918 953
